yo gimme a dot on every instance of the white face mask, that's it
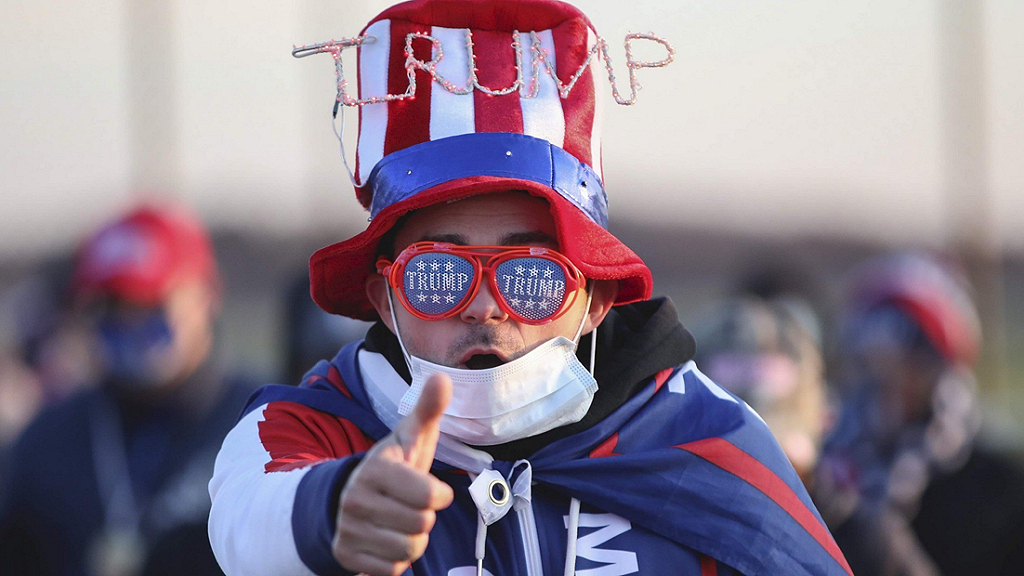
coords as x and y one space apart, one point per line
546 388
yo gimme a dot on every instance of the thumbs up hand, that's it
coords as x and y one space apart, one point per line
387 507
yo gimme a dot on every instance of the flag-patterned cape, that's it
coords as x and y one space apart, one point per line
691 471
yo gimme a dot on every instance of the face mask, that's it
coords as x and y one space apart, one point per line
546 388
134 351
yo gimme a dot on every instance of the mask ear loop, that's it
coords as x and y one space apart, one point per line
394 322
593 333
579 330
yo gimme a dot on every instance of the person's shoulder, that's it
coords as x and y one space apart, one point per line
64 417
985 491
996 473
59 432
702 402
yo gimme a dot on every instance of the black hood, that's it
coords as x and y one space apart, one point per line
635 342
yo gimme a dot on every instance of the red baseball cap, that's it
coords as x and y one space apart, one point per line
142 256
931 291
465 97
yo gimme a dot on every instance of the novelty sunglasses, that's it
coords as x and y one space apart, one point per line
437 280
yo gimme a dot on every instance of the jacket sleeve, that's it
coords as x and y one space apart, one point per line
275 490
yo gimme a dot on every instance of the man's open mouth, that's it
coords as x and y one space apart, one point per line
483 361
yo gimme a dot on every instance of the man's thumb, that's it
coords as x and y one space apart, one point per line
419 435
434 398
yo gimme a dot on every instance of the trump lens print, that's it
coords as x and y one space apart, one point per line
436 283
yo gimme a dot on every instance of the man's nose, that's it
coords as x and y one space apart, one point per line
484 306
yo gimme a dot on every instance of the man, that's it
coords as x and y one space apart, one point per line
111 481
465 435
907 482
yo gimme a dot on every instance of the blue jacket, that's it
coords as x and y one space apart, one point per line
681 478
63 496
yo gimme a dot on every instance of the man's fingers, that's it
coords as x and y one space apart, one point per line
432 495
387 511
417 433
388 545
387 506
396 480
402 483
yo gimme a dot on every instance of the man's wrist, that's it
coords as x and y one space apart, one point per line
314 513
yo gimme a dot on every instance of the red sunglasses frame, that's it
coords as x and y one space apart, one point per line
477 255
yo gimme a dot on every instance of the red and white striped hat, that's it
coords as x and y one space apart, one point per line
466 97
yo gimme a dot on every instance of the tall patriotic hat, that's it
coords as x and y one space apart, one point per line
465 97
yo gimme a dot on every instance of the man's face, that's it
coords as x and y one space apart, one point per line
483 335
153 348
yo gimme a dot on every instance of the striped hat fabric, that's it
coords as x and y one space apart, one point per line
465 97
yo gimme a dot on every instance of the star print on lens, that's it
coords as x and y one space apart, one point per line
531 287
436 282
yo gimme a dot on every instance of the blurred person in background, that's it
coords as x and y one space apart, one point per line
112 480
905 483
21 396
760 351
312 334
795 286
44 350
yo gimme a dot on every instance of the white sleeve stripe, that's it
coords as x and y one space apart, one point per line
251 517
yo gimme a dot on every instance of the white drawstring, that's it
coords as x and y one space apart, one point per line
570 546
494 499
481 544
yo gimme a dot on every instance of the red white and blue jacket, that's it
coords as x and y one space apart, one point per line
681 478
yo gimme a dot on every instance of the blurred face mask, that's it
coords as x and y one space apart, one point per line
135 347
546 388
